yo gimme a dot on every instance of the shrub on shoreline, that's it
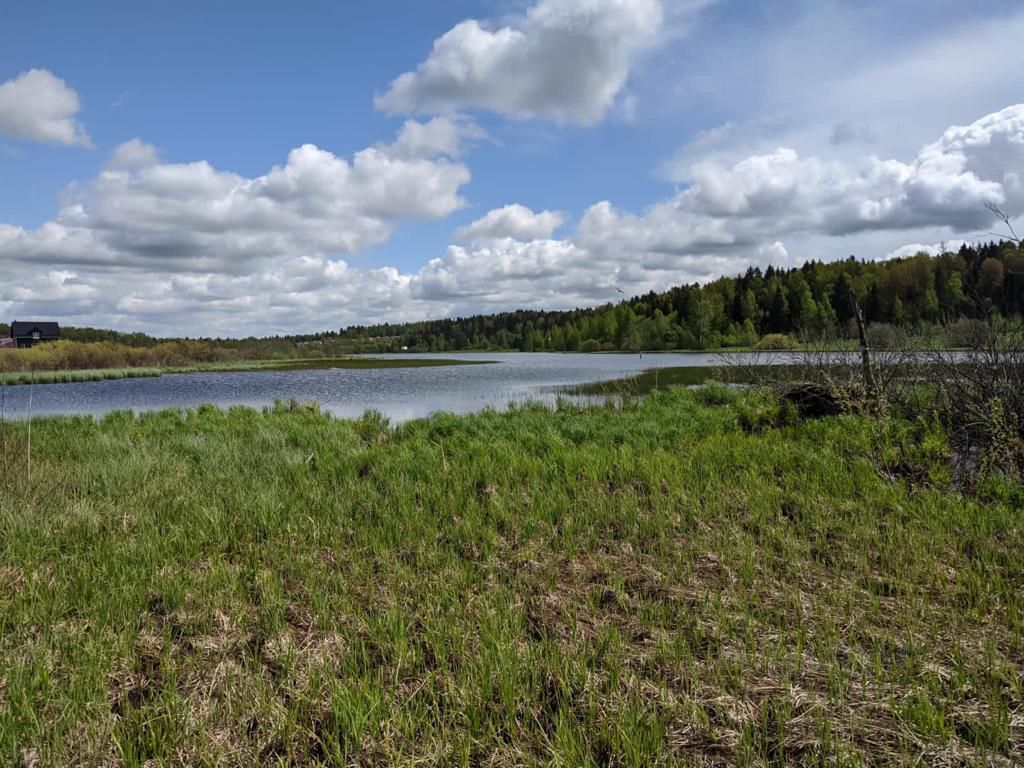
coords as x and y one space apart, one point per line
94 355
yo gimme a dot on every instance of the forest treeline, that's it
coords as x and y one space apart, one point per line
768 307
773 306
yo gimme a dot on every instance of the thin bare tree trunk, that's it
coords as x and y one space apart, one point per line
865 349
31 386
3 412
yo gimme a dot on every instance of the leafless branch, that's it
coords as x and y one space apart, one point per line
1005 218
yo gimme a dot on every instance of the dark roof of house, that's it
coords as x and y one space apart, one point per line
23 328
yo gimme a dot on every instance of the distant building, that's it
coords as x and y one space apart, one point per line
27 334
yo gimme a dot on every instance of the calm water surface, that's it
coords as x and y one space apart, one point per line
399 393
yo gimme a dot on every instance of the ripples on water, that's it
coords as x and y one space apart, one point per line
399 393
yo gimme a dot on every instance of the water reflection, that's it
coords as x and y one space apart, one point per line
399 393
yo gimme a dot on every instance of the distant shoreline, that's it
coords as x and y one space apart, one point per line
75 376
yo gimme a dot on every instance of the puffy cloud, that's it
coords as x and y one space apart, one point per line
566 60
912 249
131 155
59 285
515 221
728 208
190 249
9 232
509 272
775 254
53 293
436 137
301 292
186 248
39 106
192 217
312 291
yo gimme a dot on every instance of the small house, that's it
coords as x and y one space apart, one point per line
27 334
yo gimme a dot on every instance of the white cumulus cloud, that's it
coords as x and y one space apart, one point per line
439 136
181 217
933 249
187 248
515 221
133 154
508 272
39 106
755 201
565 60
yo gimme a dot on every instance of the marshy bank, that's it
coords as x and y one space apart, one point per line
75 375
686 579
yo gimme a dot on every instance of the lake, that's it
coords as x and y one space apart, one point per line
399 393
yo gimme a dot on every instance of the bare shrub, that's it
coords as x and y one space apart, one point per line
827 377
976 390
980 397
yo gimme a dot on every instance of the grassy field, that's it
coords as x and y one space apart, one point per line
298 364
694 579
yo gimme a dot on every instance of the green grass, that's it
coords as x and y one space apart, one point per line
669 582
647 381
677 376
297 364
76 375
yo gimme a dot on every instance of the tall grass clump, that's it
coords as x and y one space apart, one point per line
654 584
76 375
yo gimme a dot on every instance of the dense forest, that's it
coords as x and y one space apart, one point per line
919 293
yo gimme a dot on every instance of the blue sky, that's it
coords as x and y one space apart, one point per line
669 141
